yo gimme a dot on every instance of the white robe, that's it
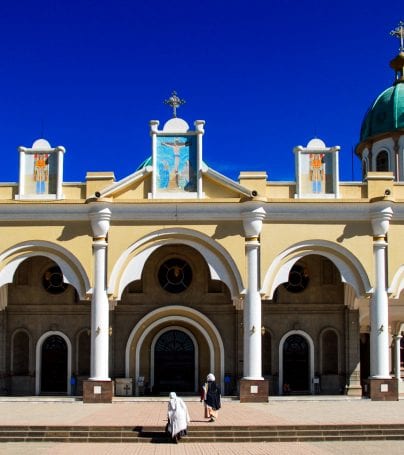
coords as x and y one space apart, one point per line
178 417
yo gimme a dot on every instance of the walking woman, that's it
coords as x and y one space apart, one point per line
178 417
211 397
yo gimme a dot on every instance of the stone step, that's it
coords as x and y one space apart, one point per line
287 433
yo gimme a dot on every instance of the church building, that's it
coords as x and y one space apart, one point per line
145 285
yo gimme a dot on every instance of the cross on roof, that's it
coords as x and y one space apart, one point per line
174 101
398 32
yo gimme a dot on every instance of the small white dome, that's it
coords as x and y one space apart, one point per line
316 144
41 144
176 125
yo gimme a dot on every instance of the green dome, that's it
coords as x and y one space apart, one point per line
386 113
146 162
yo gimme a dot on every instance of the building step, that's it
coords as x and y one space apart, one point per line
200 434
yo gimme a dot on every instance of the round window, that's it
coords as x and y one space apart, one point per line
298 279
175 275
52 281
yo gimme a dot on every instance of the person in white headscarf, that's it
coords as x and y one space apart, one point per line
211 397
178 417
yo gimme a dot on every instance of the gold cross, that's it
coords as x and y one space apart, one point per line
174 101
398 32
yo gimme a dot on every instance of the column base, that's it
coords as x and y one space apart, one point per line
254 390
98 391
383 389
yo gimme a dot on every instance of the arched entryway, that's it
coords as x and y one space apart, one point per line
54 365
208 345
296 364
174 362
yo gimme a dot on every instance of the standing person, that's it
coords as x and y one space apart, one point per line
211 397
178 417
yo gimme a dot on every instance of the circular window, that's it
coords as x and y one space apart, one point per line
52 281
175 275
298 279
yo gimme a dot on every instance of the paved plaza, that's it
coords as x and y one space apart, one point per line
279 411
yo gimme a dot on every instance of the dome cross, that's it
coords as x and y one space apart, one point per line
174 101
398 32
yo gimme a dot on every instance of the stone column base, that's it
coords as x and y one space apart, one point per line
383 389
98 391
254 390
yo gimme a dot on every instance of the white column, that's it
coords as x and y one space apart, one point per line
21 190
100 217
397 356
381 214
154 124
60 155
336 173
199 124
252 221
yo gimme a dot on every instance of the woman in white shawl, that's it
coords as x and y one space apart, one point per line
178 417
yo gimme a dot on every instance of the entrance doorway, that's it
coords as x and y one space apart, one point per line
174 363
296 369
54 365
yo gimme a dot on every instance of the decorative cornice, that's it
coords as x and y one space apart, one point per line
327 211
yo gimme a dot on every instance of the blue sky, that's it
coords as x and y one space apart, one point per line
264 75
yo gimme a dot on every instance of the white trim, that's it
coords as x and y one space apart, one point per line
196 352
144 325
38 359
387 145
308 338
174 195
397 283
337 210
225 181
125 182
389 161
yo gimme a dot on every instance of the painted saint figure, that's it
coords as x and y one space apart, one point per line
317 171
41 172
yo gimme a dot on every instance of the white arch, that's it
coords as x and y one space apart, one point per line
351 270
196 351
221 265
175 319
308 338
386 145
397 284
389 160
38 359
73 272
